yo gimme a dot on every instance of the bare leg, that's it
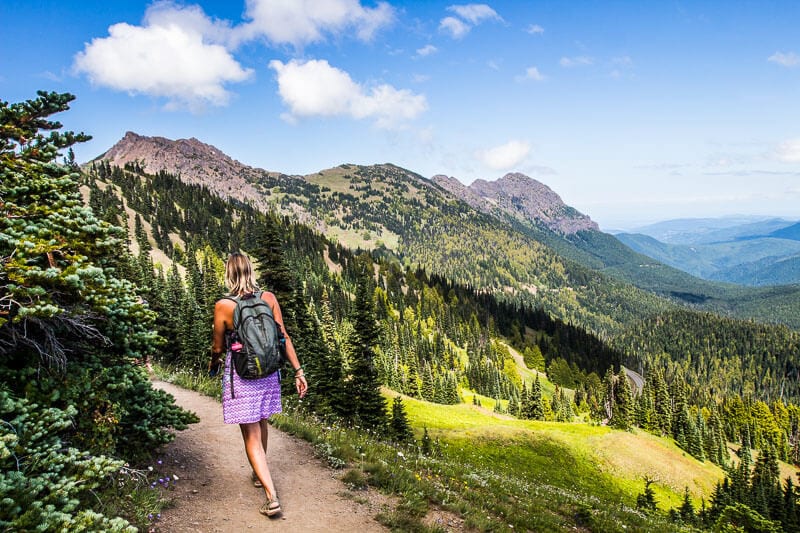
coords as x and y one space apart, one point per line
264 433
255 443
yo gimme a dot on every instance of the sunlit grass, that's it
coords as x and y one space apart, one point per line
497 473
189 379
596 456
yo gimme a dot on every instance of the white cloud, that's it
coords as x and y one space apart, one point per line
315 88
789 59
174 55
420 78
789 151
470 15
535 29
190 18
426 50
455 27
475 13
578 61
532 73
506 156
299 22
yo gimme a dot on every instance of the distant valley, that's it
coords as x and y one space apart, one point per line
745 251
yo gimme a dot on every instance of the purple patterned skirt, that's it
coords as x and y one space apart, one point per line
255 399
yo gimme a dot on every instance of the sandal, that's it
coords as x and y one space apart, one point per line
271 507
256 481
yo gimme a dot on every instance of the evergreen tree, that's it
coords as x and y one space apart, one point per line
399 427
647 500
623 408
791 506
765 489
141 235
170 317
609 400
362 387
662 403
536 411
71 334
275 275
686 510
426 446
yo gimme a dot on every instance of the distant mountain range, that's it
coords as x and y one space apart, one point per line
745 251
514 234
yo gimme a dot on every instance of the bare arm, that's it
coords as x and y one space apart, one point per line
223 320
291 355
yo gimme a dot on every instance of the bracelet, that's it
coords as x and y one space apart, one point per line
298 369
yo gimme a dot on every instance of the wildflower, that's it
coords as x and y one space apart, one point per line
160 462
161 480
150 468
175 478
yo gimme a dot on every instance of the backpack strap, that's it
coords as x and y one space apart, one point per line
235 300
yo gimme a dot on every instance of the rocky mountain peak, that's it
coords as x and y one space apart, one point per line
193 161
521 197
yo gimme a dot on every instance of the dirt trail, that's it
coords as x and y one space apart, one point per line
214 492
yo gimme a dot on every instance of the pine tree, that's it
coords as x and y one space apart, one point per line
312 353
791 506
686 510
71 332
275 275
609 400
399 427
647 500
536 410
662 403
170 318
623 408
362 387
141 235
426 445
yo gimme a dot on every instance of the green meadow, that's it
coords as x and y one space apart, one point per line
595 460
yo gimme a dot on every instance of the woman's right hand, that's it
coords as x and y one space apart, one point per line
301 384
214 366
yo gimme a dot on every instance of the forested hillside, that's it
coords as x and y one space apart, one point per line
439 336
579 274
445 342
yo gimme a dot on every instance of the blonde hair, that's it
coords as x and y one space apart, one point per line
239 275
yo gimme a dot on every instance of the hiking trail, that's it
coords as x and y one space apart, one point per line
214 492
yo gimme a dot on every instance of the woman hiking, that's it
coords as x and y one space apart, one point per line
250 402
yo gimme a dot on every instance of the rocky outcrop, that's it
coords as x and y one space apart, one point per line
193 162
520 197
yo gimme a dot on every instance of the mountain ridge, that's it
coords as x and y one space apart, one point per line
504 244
226 177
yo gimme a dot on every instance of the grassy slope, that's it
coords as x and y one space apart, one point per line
596 460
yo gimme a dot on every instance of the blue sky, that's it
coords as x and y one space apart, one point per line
632 111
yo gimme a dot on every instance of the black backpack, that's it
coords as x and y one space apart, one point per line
257 343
